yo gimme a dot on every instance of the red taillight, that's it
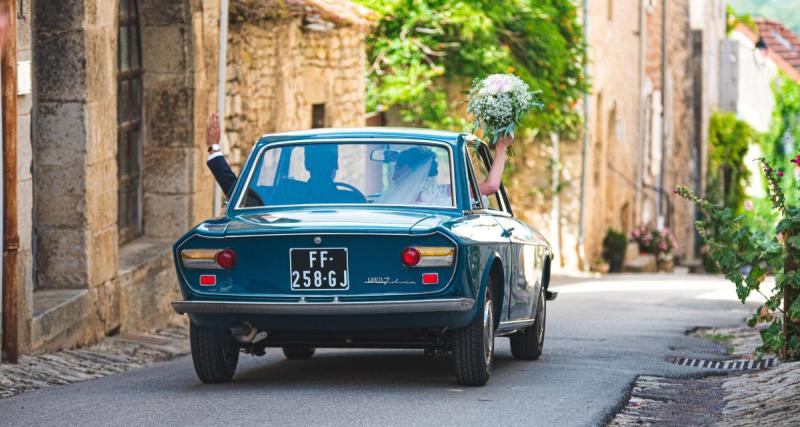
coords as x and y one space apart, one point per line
208 280
430 279
225 258
411 257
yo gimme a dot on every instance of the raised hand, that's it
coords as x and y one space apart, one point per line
212 129
504 141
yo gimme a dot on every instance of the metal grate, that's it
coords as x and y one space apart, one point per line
727 365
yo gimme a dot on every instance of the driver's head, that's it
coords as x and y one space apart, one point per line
322 161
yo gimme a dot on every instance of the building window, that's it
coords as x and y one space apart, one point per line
318 116
129 122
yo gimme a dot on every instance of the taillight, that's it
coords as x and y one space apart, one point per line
411 257
225 258
208 259
429 256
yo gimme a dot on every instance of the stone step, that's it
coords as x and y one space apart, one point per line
59 316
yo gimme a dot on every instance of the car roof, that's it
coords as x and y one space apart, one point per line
364 132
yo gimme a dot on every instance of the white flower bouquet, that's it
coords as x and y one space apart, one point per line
497 104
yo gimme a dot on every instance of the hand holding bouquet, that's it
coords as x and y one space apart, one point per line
498 103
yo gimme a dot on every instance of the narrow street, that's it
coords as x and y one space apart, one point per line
601 334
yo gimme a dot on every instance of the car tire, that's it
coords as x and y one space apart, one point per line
528 343
473 346
215 353
298 352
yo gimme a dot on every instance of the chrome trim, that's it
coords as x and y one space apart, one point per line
435 261
368 140
200 259
323 308
519 323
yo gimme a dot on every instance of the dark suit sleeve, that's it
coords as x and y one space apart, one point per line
223 174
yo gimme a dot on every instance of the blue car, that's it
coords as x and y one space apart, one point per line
364 238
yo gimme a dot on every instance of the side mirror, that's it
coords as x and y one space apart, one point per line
384 156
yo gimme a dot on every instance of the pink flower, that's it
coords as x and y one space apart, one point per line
662 246
636 233
780 174
748 205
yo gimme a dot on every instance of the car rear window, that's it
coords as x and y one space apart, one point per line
396 174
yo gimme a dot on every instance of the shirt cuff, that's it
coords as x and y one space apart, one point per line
214 155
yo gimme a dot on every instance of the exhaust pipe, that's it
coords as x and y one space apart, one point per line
244 332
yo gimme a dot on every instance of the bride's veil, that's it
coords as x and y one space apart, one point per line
406 190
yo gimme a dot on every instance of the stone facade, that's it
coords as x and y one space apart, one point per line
281 69
78 283
628 112
80 279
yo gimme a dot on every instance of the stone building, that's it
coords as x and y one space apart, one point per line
112 141
642 124
294 67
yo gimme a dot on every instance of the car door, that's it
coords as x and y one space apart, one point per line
492 207
524 253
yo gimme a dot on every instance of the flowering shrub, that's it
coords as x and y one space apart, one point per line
498 102
660 243
745 256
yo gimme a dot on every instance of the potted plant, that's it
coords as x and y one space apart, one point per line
660 243
614 245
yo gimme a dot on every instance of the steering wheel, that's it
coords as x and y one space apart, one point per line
350 189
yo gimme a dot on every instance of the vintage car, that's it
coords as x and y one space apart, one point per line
364 238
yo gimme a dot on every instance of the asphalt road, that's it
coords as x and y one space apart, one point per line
601 334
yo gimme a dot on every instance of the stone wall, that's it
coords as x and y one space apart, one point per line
277 70
86 284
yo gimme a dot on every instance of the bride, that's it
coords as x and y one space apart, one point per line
416 170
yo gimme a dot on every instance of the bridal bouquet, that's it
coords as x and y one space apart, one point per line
498 102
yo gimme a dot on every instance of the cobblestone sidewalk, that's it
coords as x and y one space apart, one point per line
114 354
765 397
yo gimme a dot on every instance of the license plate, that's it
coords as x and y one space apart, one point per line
318 269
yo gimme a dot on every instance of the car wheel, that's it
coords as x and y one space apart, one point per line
215 353
473 346
528 343
298 352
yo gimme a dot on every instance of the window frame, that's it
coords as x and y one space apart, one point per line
130 123
243 185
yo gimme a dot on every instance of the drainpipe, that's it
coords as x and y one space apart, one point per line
222 68
555 210
582 264
10 237
659 199
642 136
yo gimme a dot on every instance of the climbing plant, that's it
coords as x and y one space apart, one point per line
424 53
729 139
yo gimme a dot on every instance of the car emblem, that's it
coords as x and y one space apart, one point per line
317 240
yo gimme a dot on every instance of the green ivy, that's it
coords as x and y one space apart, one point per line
421 48
729 139
783 138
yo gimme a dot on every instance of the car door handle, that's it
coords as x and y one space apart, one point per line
508 232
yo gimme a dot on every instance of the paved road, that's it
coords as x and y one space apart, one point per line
601 334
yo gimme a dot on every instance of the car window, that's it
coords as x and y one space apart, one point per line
481 174
352 173
474 201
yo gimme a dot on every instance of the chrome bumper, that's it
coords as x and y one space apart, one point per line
324 308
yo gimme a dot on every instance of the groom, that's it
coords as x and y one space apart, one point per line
216 161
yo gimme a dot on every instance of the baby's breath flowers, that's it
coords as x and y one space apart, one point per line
498 102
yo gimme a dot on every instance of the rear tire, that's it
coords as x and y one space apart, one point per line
473 346
215 354
298 352
528 343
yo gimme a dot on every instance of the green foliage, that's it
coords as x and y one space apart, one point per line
785 11
422 51
732 19
746 256
729 140
784 135
614 242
